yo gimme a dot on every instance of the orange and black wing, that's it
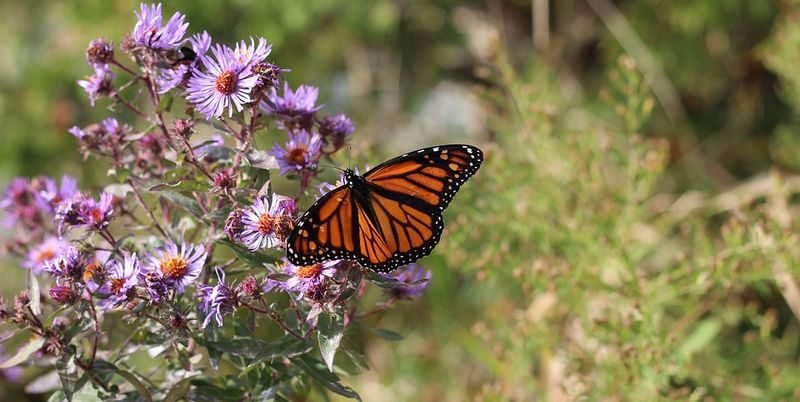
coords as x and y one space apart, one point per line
428 177
407 195
393 219
328 230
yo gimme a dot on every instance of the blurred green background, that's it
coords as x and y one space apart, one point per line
632 235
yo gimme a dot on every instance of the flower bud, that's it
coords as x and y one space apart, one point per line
62 294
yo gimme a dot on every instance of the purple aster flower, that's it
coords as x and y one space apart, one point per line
149 33
63 294
99 84
178 267
335 129
301 152
68 212
22 204
295 108
122 280
53 195
304 278
99 52
96 214
227 84
267 223
415 278
270 285
217 300
16 193
44 253
252 54
68 265
112 128
180 74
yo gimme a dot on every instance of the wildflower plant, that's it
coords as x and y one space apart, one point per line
180 259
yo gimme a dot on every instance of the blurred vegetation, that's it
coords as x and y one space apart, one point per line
632 235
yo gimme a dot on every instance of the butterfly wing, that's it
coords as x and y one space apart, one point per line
396 219
381 235
428 177
326 231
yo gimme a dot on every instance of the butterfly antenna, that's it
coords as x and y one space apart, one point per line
349 154
330 166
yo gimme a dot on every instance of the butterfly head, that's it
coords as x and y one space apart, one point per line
349 176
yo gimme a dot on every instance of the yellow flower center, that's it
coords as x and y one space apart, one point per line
173 267
266 224
309 271
226 82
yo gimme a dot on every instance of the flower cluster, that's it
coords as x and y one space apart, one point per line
192 231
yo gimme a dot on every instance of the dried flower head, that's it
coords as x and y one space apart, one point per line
99 52
234 227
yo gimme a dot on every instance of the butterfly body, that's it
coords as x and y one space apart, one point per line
389 217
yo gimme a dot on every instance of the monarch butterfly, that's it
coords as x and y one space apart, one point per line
389 217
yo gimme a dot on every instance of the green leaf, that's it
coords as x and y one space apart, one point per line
211 150
166 103
331 330
43 383
35 294
188 204
259 178
23 353
183 185
134 380
57 396
68 372
318 373
49 320
358 359
257 349
213 392
386 334
285 346
703 334
178 390
261 160
103 371
86 394
254 259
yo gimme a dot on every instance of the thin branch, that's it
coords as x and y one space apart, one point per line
148 210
